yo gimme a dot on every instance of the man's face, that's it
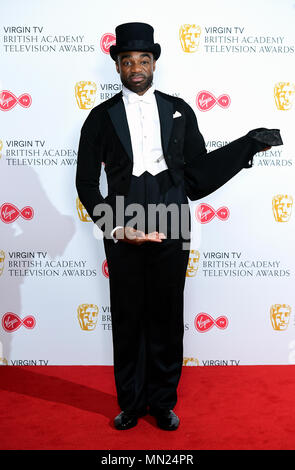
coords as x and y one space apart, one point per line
136 70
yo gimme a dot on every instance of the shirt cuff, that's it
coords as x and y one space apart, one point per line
112 233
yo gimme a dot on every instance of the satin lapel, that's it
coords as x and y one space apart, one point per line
119 119
165 108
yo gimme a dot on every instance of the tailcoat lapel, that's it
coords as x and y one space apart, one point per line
165 109
118 116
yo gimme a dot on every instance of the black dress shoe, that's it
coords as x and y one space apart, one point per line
125 420
166 419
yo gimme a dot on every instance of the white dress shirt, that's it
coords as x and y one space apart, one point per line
145 132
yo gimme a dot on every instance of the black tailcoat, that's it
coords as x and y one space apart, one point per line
105 137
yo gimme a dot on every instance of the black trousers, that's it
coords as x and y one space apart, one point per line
146 300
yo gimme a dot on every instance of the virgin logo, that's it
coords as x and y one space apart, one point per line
9 213
8 100
204 322
205 213
12 322
107 40
105 269
206 100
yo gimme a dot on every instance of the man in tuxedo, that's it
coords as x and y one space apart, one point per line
153 154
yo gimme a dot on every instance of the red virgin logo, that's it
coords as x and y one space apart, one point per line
105 269
204 322
205 213
8 100
206 100
107 40
12 322
9 213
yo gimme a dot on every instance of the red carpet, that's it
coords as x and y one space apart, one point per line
72 407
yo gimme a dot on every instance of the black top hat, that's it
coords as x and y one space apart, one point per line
135 37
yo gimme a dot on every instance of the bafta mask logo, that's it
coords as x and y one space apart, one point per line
2 258
284 93
82 213
190 361
1 147
85 93
282 207
280 316
189 35
193 263
87 316
107 40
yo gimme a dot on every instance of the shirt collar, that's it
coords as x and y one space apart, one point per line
132 97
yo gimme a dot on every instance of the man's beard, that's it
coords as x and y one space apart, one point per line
140 87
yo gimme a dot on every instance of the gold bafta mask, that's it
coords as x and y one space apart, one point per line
2 258
87 316
189 35
190 361
282 207
193 263
284 93
82 213
280 316
85 94
1 147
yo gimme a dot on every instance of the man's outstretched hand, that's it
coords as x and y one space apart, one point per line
137 237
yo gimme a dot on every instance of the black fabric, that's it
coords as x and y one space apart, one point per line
135 37
154 194
266 136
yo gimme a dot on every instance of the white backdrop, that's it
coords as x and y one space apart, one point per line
51 261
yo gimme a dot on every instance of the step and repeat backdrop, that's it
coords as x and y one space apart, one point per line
233 62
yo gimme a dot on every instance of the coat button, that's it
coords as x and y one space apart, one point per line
175 141
169 157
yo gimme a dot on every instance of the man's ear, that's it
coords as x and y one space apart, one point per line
154 65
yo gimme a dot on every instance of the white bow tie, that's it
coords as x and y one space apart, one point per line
135 98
